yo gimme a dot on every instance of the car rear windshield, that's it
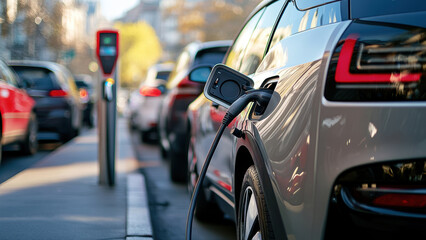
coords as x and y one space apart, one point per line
369 8
36 78
210 56
163 75
81 84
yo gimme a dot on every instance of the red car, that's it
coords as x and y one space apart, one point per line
18 120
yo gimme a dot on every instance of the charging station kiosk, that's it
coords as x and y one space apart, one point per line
107 51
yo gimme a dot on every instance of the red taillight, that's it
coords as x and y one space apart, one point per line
83 93
58 93
150 91
401 200
378 62
396 71
393 197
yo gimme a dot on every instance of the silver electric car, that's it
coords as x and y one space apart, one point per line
339 152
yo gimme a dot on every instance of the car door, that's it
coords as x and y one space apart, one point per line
245 56
284 133
16 105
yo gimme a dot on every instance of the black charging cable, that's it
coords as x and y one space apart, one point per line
262 97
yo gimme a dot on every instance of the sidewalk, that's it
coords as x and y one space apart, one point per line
59 197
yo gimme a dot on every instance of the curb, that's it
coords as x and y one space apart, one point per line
138 217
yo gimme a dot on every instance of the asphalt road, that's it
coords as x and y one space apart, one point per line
169 201
14 162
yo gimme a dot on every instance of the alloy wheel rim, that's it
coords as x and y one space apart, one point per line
249 227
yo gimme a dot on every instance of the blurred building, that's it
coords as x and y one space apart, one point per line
179 22
145 11
47 30
163 16
169 33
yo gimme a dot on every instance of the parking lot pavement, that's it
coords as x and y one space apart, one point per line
59 197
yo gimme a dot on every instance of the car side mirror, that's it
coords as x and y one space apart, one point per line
225 85
200 74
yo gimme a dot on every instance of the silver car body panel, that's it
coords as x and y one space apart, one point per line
290 154
303 142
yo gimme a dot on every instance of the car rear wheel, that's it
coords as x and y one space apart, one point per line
148 136
70 133
163 151
178 167
178 161
30 144
253 215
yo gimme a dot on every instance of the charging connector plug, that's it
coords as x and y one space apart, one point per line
261 96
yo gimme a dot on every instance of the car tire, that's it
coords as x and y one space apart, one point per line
76 132
178 167
91 121
205 210
257 224
30 144
163 151
178 161
70 133
146 137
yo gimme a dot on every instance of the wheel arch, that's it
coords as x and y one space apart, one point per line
243 161
248 153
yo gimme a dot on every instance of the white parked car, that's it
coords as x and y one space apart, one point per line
144 102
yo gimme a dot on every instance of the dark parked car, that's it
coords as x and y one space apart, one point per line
180 93
18 120
84 84
58 106
339 151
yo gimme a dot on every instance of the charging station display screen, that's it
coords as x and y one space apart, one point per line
107 50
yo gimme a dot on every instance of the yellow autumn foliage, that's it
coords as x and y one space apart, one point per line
139 49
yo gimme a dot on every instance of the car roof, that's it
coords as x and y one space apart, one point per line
163 67
40 64
257 8
194 47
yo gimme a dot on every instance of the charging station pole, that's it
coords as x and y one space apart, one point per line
107 54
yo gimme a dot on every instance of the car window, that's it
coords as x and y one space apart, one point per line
163 75
81 84
210 56
293 21
66 79
7 75
2 78
235 55
36 78
182 63
259 39
305 4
